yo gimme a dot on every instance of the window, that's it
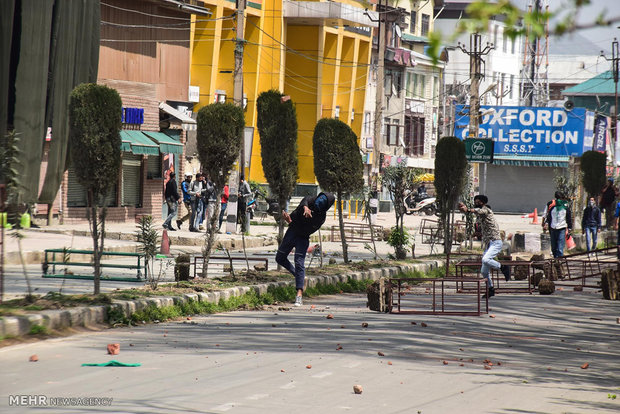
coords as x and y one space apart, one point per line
421 90
367 123
408 84
495 30
414 17
435 90
153 167
391 128
425 26
513 46
414 135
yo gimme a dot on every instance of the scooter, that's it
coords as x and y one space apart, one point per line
415 202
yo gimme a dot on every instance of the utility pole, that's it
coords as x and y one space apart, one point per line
373 178
615 57
475 54
233 181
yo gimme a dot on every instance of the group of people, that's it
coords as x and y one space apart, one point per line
199 197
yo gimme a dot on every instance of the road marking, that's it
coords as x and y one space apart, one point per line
322 374
224 407
257 396
288 386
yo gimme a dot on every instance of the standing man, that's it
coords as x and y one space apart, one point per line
244 195
491 240
187 199
224 203
591 223
559 222
307 218
195 192
172 200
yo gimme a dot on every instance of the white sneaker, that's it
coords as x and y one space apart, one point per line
298 301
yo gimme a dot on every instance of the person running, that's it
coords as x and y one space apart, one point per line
307 218
559 222
591 223
491 240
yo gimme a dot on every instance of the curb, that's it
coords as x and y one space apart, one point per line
94 315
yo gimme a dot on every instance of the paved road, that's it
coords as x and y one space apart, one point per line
255 361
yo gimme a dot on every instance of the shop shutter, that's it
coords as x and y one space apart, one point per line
153 169
77 196
131 180
76 193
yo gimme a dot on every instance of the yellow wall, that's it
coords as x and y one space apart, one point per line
324 67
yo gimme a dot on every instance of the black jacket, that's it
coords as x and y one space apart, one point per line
305 226
591 217
171 190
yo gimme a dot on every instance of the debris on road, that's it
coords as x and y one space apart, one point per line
114 349
358 389
34 358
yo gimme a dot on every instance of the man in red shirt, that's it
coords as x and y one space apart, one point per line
224 203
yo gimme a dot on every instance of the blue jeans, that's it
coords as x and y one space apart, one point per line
591 234
495 246
196 213
300 243
558 240
222 214
172 211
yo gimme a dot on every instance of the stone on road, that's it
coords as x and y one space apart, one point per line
238 362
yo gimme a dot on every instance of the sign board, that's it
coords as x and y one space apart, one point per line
479 150
524 130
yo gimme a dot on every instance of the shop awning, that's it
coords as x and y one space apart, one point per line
529 161
188 123
167 145
138 143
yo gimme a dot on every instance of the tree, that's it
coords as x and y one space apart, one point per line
95 148
398 179
337 164
220 128
450 167
593 168
277 127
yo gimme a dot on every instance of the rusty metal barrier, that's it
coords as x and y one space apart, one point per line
199 261
466 269
414 296
586 265
357 232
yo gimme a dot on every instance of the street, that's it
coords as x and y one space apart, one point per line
282 360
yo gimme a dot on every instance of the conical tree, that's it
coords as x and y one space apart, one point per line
219 132
95 148
277 127
337 164
450 167
593 167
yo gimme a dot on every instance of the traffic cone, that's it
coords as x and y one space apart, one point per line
534 216
165 243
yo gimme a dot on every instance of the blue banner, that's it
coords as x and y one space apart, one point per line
600 133
523 130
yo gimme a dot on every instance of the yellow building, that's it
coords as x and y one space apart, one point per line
317 52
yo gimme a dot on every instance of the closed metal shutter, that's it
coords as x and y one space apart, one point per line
77 196
76 193
131 180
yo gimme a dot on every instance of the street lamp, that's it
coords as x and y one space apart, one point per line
615 57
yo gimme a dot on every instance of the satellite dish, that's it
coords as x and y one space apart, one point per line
569 105
399 32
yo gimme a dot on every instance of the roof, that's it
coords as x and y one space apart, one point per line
602 84
411 38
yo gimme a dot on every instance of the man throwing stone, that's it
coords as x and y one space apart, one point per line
307 218
491 239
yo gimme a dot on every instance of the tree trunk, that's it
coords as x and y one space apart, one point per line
345 255
210 235
94 231
23 262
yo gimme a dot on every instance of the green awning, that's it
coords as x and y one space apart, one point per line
167 145
530 161
138 143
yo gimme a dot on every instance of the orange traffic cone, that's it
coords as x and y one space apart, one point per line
534 215
165 243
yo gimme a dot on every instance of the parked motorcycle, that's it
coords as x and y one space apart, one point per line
420 202
273 209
